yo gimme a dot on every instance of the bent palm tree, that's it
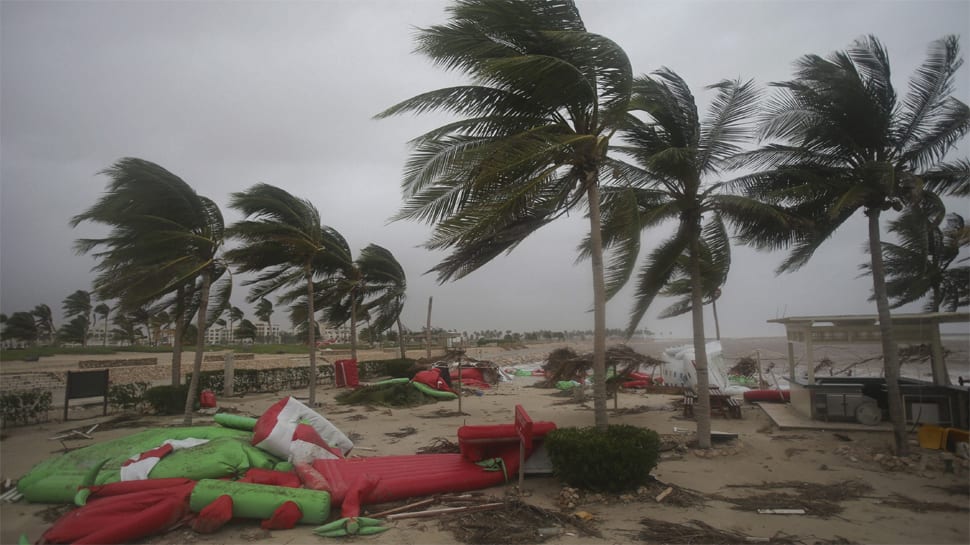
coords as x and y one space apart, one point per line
164 239
386 287
44 319
924 263
78 304
674 152
103 310
843 144
264 311
283 241
534 126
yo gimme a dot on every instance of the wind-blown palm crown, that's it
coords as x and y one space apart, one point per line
165 238
532 131
841 142
673 153
284 242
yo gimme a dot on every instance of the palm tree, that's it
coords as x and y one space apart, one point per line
840 142
235 315
370 288
44 319
924 262
246 330
103 310
675 155
20 326
385 287
715 266
78 304
264 312
283 241
165 239
535 124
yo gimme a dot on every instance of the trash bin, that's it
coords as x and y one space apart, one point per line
345 373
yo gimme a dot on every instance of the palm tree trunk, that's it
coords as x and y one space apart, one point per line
199 349
599 305
311 337
427 332
703 411
717 324
890 353
179 332
105 330
353 324
400 338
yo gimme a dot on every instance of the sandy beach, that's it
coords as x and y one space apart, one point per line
919 499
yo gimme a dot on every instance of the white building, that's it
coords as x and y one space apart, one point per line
268 333
339 335
216 335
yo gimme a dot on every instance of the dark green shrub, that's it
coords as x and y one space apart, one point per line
169 399
395 368
621 458
24 407
128 397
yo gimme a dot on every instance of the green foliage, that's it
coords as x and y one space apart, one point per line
24 407
128 397
401 394
619 458
396 368
169 399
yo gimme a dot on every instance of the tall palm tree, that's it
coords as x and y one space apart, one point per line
371 287
78 304
235 315
103 310
677 159
20 326
282 240
385 289
44 319
264 312
534 126
164 239
839 142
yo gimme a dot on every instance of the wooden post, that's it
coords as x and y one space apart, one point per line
761 378
791 361
523 428
940 376
810 354
459 383
229 375
427 332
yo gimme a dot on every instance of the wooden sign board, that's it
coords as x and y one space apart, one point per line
82 384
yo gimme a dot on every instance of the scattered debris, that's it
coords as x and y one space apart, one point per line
664 494
514 522
444 413
695 531
842 437
904 502
821 500
955 489
630 410
440 445
781 511
403 432
745 367
564 364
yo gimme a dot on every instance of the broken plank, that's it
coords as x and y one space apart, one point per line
446 511
781 511
407 507
664 494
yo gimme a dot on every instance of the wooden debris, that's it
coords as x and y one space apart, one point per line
664 494
402 508
446 511
781 511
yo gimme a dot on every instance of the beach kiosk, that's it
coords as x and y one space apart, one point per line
852 398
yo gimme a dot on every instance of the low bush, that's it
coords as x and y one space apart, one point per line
395 368
24 407
169 399
129 397
620 458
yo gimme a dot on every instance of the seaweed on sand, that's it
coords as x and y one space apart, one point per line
386 395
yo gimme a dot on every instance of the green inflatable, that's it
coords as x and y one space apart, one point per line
259 501
227 454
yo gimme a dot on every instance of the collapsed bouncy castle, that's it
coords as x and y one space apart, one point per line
290 466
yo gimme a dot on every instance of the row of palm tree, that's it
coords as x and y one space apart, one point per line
165 252
554 119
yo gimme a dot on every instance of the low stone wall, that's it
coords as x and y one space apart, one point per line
236 357
11 382
101 364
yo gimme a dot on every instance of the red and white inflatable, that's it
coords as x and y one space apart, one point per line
291 430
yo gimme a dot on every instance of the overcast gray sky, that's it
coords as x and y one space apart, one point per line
228 94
